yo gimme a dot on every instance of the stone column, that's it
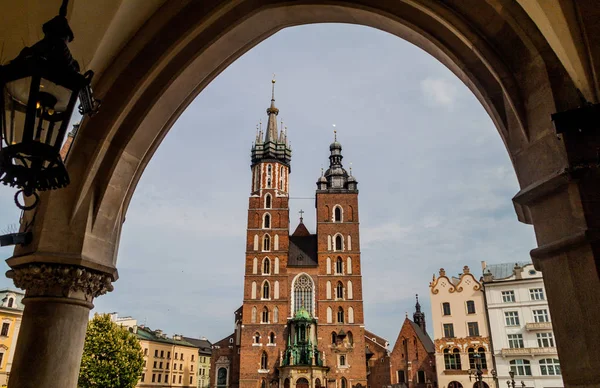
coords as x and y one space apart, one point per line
564 208
57 301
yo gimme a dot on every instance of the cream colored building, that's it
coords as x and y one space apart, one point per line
204 354
11 312
521 325
168 362
460 330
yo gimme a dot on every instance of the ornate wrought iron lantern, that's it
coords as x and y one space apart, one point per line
38 92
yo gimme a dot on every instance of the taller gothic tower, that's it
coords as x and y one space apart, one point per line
301 322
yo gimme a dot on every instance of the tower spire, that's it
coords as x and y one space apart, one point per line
272 111
418 316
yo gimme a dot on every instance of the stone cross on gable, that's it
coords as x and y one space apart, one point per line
301 214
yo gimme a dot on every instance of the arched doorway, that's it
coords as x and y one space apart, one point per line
302 383
454 384
515 75
480 384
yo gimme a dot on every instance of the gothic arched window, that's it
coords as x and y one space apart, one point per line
303 293
263 361
266 243
265 315
339 243
339 290
266 288
275 314
267 221
344 383
339 266
337 214
333 337
350 338
253 315
266 266
281 178
268 201
340 315
269 176
256 338
10 302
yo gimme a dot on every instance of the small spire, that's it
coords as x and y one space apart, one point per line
273 88
322 173
301 214
406 314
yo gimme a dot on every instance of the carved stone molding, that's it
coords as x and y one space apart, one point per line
60 281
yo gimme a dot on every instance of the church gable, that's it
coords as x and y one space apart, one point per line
303 251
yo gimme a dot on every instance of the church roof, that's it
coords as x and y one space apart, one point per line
423 337
301 230
303 251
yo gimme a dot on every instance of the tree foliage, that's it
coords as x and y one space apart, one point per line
112 356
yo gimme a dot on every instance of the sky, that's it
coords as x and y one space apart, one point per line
435 180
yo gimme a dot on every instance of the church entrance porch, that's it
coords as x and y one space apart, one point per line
302 383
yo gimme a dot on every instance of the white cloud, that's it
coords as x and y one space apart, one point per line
439 91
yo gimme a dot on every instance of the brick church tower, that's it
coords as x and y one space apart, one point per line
301 324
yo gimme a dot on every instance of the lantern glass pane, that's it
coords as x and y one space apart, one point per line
60 93
14 112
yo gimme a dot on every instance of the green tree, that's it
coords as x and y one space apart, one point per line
112 356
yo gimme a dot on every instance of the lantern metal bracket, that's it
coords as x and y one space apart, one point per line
22 238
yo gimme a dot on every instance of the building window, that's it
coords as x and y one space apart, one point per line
253 321
421 377
166 378
470 307
180 378
266 266
222 377
269 176
10 302
168 355
541 316
340 315
511 318
473 329
266 243
545 340
446 308
159 377
550 367
339 266
180 366
303 293
154 365
520 367
153 377
160 365
350 338
191 379
272 338
268 201
508 296
339 243
333 338
337 214
256 338
167 365
275 314
471 353
143 377
156 353
266 290
342 360
145 351
448 330
339 290
265 315
181 356
515 341
452 359
174 366
536 294
267 221
5 327
263 361
344 383
401 377
482 359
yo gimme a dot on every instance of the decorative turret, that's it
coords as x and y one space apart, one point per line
336 178
302 341
418 316
274 146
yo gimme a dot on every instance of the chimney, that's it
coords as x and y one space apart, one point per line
177 337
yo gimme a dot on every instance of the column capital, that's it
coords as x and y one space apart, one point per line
61 281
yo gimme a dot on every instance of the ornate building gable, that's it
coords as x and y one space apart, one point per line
443 282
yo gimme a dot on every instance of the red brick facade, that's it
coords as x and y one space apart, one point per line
413 358
313 278
378 361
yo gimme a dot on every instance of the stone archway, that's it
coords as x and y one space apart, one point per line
494 47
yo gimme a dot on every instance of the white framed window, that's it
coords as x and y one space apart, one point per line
520 367
328 290
255 265
545 340
266 243
265 315
276 290
276 269
256 338
508 296
511 318
268 201
328 266
349 291
536 294
349 265
253 320
253 291
275 314
541 315
329 315
269 176
339 290
550 367
266 221
266 290
266 267
339 266
350 315
338 243
338 214
515 341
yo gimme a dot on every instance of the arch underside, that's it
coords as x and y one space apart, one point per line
496 51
